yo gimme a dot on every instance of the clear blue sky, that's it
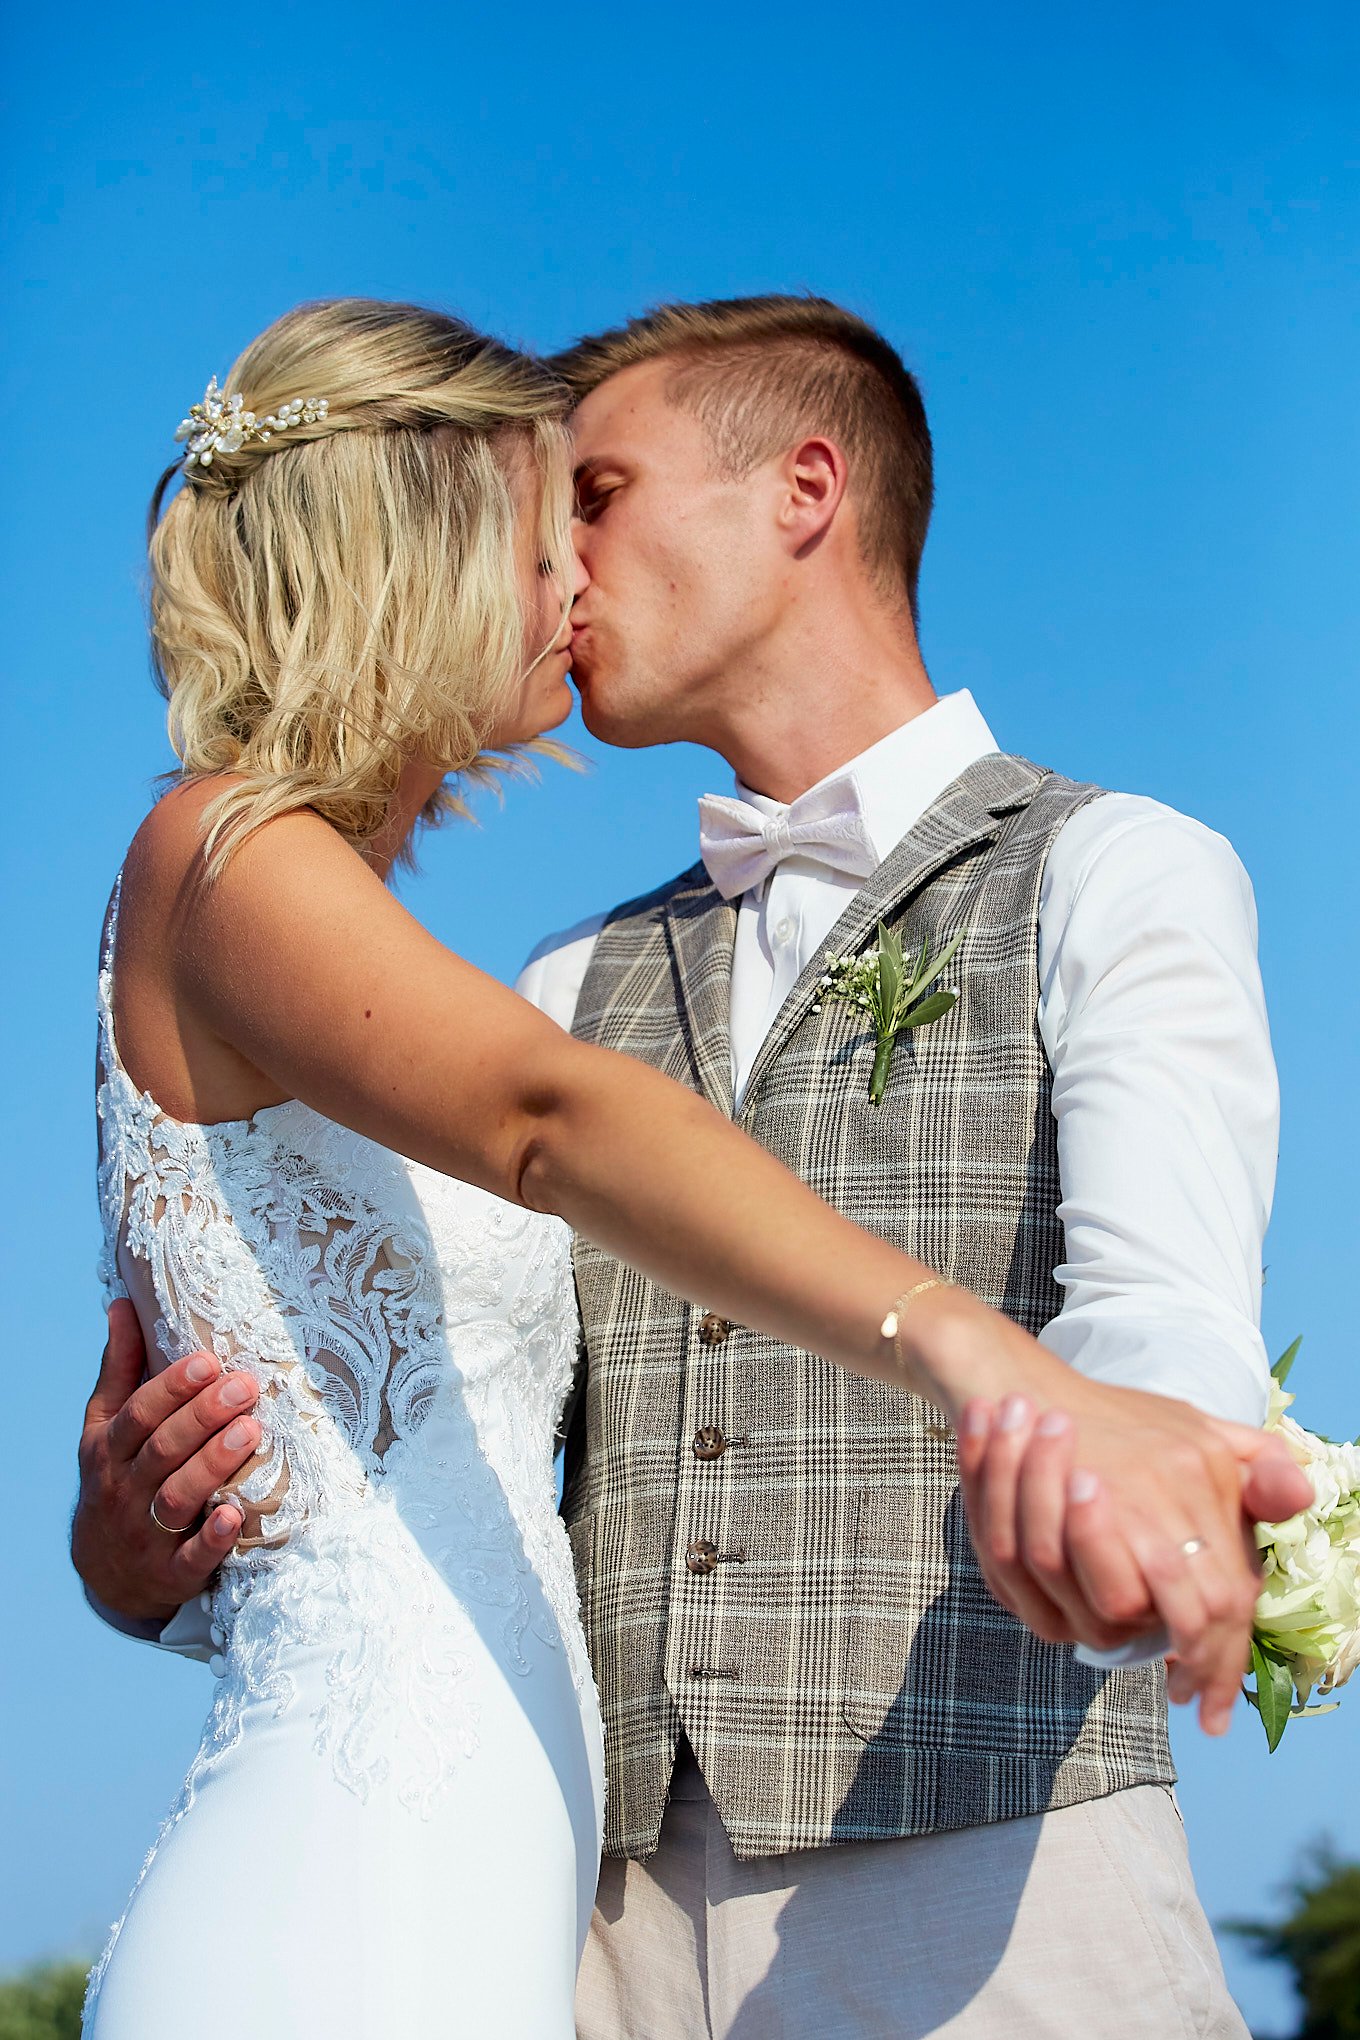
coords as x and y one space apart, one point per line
1119 246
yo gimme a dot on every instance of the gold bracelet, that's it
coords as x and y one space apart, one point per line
891 1327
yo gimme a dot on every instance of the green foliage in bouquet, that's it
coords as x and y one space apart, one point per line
1307 1629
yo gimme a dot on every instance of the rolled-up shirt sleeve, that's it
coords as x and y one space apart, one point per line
1167 1105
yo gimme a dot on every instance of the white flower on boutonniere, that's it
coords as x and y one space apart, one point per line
1307 1628
891 991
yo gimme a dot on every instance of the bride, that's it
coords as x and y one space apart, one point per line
337 1156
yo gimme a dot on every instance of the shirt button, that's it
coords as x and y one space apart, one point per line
217 1665
701 1557
784 931
709 1443
713 1330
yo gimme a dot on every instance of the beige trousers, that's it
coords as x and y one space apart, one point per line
1082 1924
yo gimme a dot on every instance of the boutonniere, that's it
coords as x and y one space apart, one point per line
891 991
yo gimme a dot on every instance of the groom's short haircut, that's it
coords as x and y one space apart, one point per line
764 372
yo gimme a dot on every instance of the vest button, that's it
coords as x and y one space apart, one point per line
701 1557
713 1330
709 1443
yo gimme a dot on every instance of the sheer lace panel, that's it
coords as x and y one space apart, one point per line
331 1304
396 1489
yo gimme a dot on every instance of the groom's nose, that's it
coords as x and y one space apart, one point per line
580 579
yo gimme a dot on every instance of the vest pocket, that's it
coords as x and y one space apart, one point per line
931 1660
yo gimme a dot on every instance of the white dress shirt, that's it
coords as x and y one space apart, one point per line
1152 1016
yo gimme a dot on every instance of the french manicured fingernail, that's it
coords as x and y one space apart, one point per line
1014 1411
1053 1423
200 1370
1082 1487
238 1391
237 1437
977 1420
225 1523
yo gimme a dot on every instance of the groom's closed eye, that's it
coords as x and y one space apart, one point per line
592 492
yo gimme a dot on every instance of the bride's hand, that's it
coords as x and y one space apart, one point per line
1101 1514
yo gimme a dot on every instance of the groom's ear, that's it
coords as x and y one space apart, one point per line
812 484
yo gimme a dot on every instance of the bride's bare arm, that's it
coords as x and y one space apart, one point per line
301 960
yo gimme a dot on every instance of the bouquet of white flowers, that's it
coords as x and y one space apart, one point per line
1307 1631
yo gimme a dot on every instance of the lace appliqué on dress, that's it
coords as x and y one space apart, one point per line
291 1246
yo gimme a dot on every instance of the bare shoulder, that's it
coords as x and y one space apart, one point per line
164 861
180 928
169 851
293 868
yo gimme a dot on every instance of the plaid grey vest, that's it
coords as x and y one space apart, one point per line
837 1661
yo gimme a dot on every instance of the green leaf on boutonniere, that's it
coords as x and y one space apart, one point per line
927 972
933 1008
890 990
891 968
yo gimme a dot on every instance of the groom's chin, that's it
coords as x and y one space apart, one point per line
607 729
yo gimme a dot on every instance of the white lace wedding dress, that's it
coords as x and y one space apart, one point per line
391 1825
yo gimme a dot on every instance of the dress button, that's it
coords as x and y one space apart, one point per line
216 1633
784 930
713 1330
217 1665
709 1443
701 1556
205 1603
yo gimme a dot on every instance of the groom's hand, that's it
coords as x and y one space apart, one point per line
1128 1514
172 1441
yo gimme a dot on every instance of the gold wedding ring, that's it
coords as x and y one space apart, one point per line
167 1526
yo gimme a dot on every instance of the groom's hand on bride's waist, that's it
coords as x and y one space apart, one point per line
1123 1514
170 1442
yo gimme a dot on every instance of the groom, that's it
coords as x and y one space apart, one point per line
848 1794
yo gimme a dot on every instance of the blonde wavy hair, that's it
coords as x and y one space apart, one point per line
345 597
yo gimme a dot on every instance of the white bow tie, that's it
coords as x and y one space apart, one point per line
741 846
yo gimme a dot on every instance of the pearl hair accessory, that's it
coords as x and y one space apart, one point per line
222 424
